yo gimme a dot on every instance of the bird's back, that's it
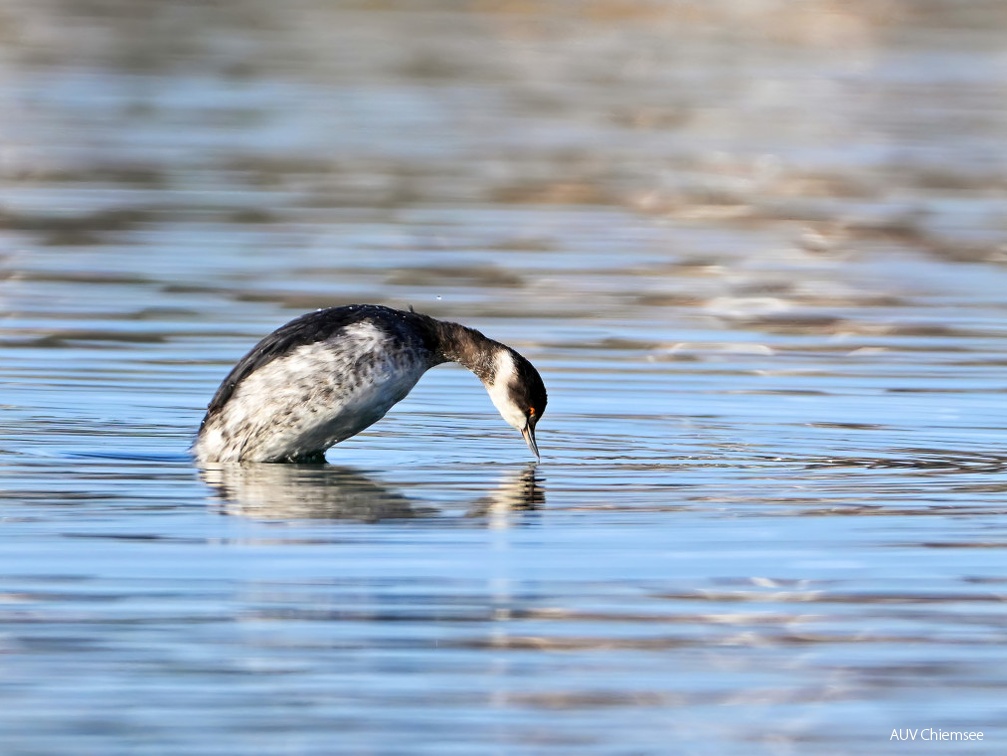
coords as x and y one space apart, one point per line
318 380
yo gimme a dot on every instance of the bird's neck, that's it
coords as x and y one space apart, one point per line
469 348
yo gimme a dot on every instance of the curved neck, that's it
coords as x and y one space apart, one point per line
469 348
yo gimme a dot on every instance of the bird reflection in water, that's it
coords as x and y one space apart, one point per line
331 492
516 492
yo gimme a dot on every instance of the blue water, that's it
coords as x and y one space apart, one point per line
765 288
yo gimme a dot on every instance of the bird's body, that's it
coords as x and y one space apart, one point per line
327 375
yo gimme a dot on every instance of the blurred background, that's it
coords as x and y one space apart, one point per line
757 249
656 181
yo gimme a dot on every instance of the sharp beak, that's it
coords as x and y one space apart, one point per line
529 437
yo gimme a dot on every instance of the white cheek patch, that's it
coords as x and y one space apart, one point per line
504 375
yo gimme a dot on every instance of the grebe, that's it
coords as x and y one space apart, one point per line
327 375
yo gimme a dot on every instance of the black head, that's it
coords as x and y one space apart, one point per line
519 394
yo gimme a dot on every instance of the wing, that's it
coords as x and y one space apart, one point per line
309 329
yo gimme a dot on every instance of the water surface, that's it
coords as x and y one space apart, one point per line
758 255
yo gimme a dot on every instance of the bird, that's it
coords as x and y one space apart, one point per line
329 374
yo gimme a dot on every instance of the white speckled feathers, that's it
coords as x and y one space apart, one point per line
313 397
329 374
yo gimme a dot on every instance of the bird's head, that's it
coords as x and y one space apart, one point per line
518 393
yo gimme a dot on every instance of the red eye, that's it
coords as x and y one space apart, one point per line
531 411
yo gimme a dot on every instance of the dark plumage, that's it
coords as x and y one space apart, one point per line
326 375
